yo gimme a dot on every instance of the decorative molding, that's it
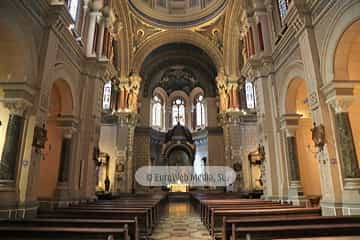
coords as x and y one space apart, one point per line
17 106
142 31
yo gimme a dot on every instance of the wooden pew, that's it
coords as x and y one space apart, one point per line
217 215
131 225
237 227
144 220
208 207
154 207
61 233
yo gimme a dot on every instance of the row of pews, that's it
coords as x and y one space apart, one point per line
231 217
130 217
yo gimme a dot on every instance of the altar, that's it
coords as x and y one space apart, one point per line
179 187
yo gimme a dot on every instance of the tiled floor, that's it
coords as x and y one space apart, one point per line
180 223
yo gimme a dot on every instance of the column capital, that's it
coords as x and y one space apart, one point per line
68 132
96 5
289 123
229 118
68 124
17 106
339 94
127 119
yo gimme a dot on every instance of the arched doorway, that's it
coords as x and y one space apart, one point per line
51 168
347 72
301 148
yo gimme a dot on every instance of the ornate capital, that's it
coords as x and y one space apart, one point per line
341 104
230 118
17 106
127 119
340 94
289 123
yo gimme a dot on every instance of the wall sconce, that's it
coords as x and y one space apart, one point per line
318 136
40 137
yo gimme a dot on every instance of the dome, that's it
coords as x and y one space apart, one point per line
177 13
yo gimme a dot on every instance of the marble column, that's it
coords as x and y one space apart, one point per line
344 138
65 157
65 182
11 150
290 123
10 157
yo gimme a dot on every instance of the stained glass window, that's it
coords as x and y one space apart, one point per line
250 95
107 96
157 112
72 6
283 7
178 111
200 111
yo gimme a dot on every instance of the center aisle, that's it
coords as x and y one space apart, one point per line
180 222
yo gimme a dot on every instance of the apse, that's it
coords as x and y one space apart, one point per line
178 66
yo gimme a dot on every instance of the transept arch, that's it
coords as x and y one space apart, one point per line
175 36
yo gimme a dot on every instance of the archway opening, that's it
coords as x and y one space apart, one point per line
347 68
60 105
297 103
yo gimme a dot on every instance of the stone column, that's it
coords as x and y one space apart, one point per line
124 143
340 96
65 156
64 185
231 124
290 123
11 154
93 16
100 41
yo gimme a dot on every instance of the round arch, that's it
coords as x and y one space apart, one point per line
293 71
295 102
18 59
340 23
173 36
62 80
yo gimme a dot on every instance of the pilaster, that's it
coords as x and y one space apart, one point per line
299 18
340 96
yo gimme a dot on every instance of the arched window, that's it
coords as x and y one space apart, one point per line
178 111
250 95
107 96
199 111
157 112
283 7
72 6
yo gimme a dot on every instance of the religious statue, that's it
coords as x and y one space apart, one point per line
318 136
221 85
134 92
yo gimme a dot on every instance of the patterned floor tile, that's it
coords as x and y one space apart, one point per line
184 224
